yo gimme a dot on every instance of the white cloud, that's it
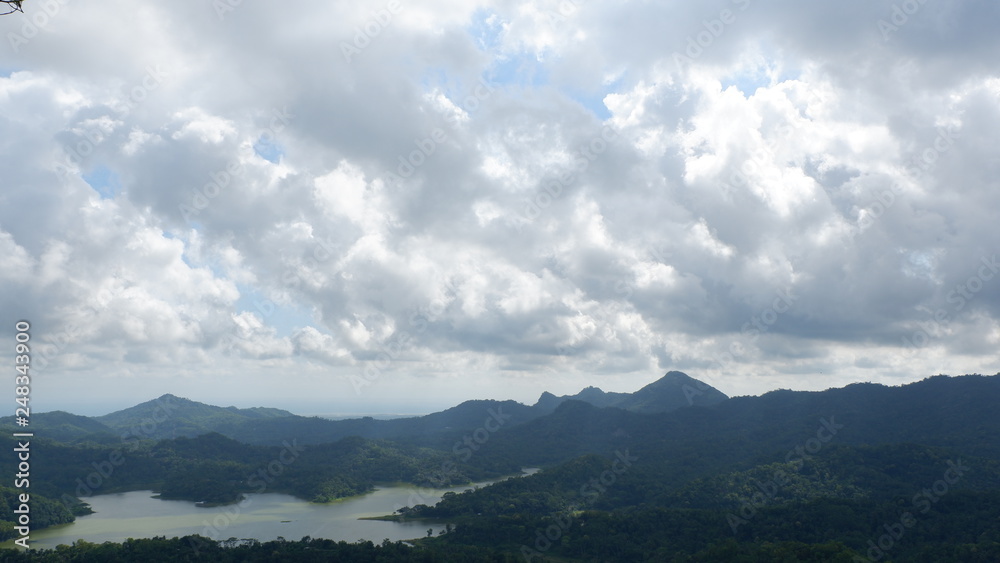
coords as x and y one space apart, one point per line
800 150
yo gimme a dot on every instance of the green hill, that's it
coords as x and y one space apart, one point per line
65 427
170 416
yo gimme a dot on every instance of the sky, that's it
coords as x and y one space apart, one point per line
393 207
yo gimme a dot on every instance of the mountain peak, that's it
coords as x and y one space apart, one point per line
547 402
677 378
169 416
673 374
672 391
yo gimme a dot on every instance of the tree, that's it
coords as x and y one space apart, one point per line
13 6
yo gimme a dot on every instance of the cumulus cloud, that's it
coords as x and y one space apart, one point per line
354 205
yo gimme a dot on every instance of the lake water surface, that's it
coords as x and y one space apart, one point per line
263 516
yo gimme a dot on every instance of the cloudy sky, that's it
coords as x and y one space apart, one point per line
374 207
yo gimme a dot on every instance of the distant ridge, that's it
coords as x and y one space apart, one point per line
172 416
672 391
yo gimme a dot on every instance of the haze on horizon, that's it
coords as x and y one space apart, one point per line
362 208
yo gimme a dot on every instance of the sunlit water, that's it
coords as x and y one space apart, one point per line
265 516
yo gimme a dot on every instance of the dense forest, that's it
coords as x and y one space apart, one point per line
866 472
197 548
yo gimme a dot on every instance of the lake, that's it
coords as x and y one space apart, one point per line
263 516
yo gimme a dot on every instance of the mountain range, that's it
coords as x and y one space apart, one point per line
169 416
673 470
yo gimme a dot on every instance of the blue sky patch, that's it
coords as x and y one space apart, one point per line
746 82
485 29
285 319
594 100
268 149
522 69
104 181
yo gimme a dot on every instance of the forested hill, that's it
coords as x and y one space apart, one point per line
176 416
803 467
949 412
170 416
672 391
787 476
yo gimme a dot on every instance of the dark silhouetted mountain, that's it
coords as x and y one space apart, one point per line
946 412
672 391
436 429
170 416
794 466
